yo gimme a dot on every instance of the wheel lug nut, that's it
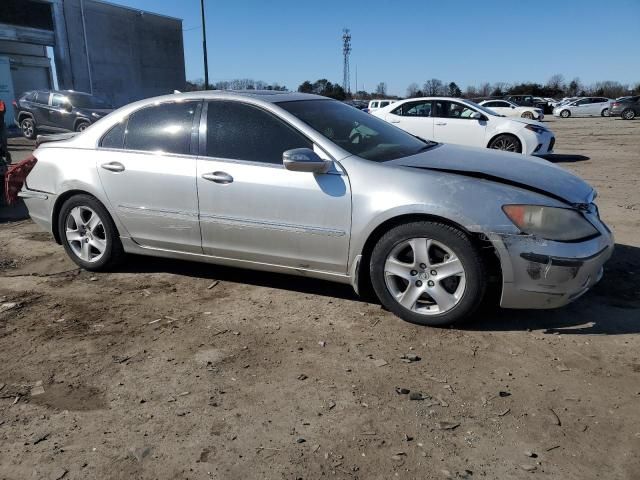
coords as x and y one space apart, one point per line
430 283
433 272
423 266
418 283
414 273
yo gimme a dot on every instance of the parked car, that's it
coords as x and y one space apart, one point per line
376 104
510 109
625 107
57 111
462 122
527 101
584 107
302 184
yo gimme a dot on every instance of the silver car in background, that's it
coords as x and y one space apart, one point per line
584 107
301 184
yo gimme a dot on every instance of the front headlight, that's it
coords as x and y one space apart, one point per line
536 128
551 223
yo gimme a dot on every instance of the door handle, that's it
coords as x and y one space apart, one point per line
218 177
113 166
395 121
441 123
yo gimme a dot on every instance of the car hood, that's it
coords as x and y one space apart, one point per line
522 171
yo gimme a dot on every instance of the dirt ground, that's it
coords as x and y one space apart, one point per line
157 371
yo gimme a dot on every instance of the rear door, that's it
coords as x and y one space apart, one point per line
413 117
147 165
453 124
254 210
40 108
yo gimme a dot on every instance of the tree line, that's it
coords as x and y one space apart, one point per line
235 84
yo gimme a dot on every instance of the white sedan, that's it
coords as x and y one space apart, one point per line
462 122
510 109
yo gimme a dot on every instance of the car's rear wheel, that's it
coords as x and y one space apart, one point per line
88 233
605 112
428 273
506 142
528 115
82 126
28 128
629 114
565 113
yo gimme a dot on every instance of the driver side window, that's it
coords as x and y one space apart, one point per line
59 101
457 110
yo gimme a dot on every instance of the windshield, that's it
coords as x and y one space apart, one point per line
88 101
356 132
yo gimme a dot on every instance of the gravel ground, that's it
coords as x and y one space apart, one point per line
171 369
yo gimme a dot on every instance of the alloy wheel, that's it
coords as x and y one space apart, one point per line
27 128
565 113
424 276
605 112
82 127
628 114
507 144
86 234
528 115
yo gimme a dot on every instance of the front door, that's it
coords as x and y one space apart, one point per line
453 124
413 117
40 108
253 209
149 175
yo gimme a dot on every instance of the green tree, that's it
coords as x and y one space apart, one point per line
453 90
306 87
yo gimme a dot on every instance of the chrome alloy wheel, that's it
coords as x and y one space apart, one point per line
27 128
86 234
505 143
424 276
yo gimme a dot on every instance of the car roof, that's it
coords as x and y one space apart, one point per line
264 95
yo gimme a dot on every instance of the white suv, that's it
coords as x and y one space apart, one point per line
462 122
377 104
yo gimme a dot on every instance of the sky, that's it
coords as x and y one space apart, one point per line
404 41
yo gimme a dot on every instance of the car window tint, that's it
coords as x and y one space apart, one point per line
374 104
415 109
457 110
115 137
163 128
42 97
58 100
239 131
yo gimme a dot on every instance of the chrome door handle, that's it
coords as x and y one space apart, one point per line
441 123
218 177
113 166
395 121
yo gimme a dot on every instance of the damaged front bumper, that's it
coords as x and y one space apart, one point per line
540 273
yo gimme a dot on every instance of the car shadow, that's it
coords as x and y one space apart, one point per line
295 283
564 158
12 213
612 307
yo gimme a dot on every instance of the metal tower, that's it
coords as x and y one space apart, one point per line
346 51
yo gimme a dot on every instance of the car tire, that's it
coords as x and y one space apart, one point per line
88 234
458 295
628 114
82 126
565 113
604 112
506 142
527 115
28 128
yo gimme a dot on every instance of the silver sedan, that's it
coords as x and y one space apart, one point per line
296 183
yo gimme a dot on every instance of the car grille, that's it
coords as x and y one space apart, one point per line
552 143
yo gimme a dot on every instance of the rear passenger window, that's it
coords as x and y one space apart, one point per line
115 137
42 97
243 132
161 128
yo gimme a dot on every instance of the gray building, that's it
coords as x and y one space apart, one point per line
116 52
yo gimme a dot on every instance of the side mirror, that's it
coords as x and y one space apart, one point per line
476 116
304 160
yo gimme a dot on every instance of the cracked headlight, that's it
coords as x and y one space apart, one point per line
551 223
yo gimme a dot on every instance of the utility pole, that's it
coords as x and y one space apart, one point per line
204 48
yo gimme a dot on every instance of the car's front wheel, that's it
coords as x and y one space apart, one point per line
506 142
605 112
629 114
428 273
527 115
565 113
88 233
28 128
82 126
